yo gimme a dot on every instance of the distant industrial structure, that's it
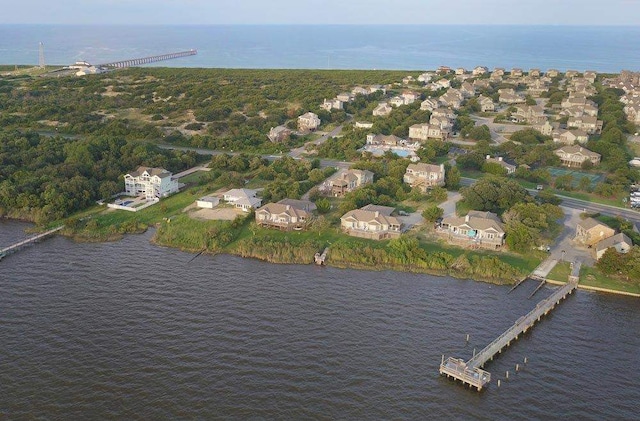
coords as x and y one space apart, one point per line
41 56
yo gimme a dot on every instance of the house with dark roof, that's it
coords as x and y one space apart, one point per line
620 242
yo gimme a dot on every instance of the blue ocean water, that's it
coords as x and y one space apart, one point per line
408 47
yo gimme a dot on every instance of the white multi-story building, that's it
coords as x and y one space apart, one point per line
150 182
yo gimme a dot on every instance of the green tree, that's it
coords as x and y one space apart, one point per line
495 194
323 205
452 177
432 213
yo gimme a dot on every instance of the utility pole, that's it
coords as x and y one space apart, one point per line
41 56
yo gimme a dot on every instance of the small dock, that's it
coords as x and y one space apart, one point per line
471 373
320 258
15 247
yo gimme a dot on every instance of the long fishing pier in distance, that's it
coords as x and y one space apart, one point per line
17 246
471 372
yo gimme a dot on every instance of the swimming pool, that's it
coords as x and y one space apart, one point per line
403 153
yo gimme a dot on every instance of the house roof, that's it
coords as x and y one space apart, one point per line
422 167
577 149
160 172
298 204
241 193
283 209
385 210
612 241
476 220
369 216
590 223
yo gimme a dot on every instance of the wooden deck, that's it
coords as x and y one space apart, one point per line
470 372
15 247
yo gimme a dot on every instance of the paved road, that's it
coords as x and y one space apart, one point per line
496 129
582 205
297 153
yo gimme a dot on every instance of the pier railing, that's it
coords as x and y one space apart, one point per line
14 247
470 372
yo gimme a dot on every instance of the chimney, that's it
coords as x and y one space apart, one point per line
377 214
466 218
488 156
288 207
500 158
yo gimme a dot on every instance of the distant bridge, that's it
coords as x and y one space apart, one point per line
147 60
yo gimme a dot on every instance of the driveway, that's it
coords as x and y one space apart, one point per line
449 206
564 249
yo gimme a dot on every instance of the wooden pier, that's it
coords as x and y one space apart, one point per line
15 247
147 60
471 372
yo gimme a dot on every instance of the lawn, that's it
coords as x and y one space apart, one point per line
591 276
194 177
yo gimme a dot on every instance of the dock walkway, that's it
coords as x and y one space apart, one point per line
15 247
471 372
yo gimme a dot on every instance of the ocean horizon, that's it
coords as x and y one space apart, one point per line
363 47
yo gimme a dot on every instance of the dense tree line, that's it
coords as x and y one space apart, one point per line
236 108
44 178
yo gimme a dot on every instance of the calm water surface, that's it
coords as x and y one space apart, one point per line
417 47
127 330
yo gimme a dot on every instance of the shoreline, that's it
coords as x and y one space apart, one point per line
597 289
76 237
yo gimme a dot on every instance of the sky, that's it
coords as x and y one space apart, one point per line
485 12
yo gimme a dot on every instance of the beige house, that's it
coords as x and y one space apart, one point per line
282 216
427 131
443 122
372 221
553 73
589 124
349 181
345 97
380 139
546 128
481 229
575 155
534 72
308 121
498 71
279 134
363 125
332 104
511 98
620 242
570 137
430 104
397 101
383 109
467 90
533 114
479 71
424 176
486 104
589 232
